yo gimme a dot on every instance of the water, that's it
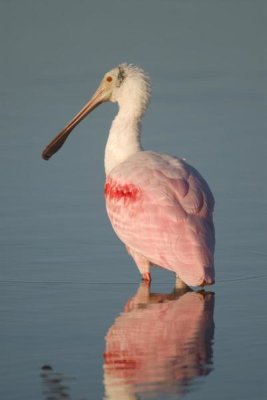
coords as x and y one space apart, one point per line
70 297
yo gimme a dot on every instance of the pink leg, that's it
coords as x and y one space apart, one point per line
179 284
146 276
143 264
204 283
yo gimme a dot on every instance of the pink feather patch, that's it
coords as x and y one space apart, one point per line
115 191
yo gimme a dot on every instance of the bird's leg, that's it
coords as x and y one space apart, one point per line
179 284
143 264
146 276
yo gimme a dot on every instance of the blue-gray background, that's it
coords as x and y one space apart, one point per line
64 276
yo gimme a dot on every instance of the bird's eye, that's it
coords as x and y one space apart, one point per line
109 79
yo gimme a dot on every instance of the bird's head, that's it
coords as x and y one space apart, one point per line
125 84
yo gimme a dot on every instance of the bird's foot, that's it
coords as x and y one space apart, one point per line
146 276
205 283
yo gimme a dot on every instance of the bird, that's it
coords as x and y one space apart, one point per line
159 205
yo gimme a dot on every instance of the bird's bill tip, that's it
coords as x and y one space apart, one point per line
58 141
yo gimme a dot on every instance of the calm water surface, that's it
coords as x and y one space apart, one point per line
70 297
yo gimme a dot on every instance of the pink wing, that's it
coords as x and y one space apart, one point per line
161 208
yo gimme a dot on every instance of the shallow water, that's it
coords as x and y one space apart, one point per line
70 297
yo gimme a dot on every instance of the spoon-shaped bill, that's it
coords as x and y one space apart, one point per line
59 140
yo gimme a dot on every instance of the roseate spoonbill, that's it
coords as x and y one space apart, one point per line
159 206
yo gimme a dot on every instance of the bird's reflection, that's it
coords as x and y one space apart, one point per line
159 344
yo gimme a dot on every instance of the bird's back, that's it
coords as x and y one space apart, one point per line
161 207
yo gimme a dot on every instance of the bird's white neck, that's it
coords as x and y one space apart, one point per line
124 137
